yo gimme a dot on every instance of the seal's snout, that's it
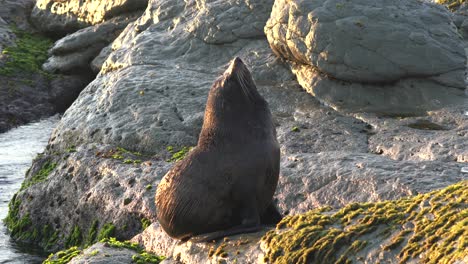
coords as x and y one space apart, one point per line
236 65
237 62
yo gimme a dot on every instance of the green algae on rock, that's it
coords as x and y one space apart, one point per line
63 257
40 176
178 155
430 228
27 56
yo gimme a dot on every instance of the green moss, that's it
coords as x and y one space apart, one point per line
27 56
75 238
149 187
127 200
63 257
122 154
41 176
94 253
92 233
145 223
107 231
438 233
113 242
295 129
71 149
177 155
146 257
141 257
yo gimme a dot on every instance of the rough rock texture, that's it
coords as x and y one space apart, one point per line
150 95
15 12
371 55
26 93
74 52
385 232
99 253
244 248
101 186
61 17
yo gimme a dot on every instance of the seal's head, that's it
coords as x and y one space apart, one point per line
234 106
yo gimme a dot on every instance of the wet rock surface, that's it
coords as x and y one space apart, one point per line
111 147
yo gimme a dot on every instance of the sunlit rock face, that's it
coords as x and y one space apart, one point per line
61 17
151 92
152 89
386 56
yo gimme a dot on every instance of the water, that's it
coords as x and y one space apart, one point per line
17 149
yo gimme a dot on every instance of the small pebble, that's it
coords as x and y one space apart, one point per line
464 169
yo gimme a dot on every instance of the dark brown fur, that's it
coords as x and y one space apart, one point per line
228 180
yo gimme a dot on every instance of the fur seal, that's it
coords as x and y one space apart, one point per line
225 185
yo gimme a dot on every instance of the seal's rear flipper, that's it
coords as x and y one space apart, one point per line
271 216
209 237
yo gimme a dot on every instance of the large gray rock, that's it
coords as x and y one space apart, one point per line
76 51
61 17
371 55
151 93
16 12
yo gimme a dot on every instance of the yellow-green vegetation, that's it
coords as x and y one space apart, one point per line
40 176
141 257
295 129
177 155
27 56
17 225
451 4
145 223
127 200
94 253
145 257
92 233
71 149
219 251
63 257
122 154
149 187
107 231
75 238
429 228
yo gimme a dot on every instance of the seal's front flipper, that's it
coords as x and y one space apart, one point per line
213 236
271 216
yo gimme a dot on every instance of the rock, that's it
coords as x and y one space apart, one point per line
99 60
15 12
23 99
400 231
464 28
65 89
62 17
360 232
74 52
244 248
107 187
100 253
355 55
150 95
7 38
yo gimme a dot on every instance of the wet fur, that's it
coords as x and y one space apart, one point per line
226 183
